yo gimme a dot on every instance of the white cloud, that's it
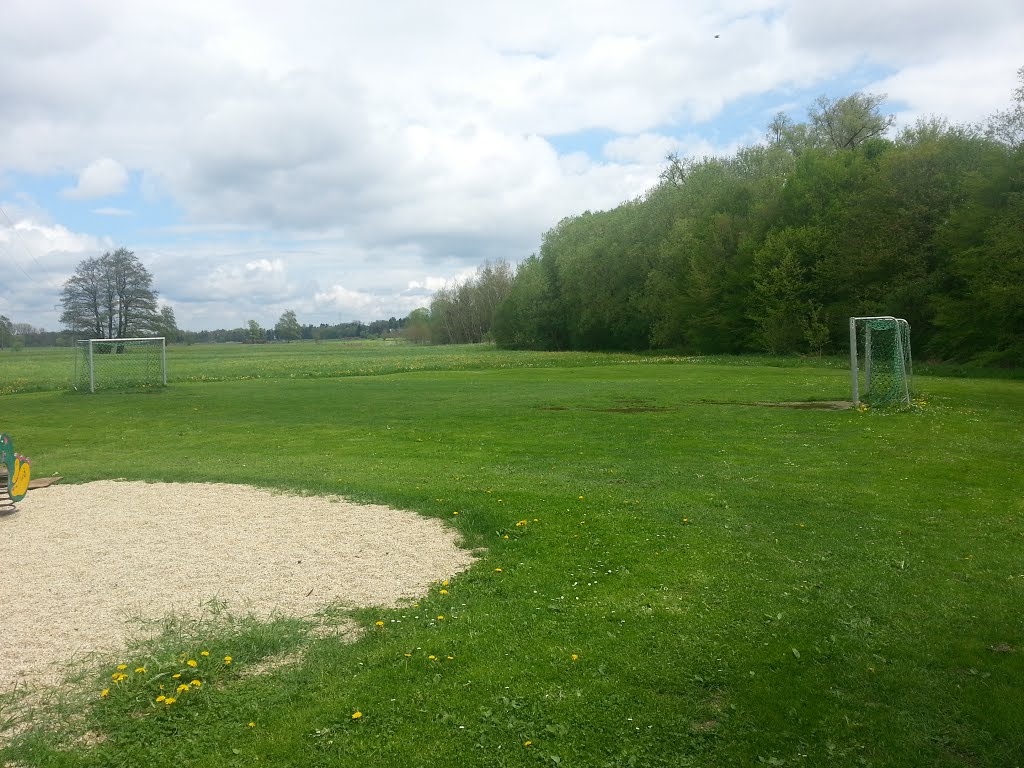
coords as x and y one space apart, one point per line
101 178
366 147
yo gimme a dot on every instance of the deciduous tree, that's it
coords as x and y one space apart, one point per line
110 297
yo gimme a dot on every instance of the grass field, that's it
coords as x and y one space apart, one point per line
699 580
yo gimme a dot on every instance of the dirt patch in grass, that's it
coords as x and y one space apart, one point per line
83 564
813 405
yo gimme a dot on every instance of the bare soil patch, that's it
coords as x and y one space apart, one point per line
82 563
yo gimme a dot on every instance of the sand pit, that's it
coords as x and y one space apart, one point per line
78 562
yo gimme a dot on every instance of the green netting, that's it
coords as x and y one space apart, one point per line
119 364
883 353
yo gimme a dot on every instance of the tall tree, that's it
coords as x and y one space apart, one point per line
110 297
288 327
167 325
6 331
255 332
848 122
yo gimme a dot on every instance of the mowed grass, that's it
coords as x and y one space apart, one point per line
687 578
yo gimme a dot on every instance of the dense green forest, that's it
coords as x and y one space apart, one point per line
774 248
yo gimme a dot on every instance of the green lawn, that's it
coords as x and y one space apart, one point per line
701 581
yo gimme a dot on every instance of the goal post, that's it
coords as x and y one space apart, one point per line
881 367
120 363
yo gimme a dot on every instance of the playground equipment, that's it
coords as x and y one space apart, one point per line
14 474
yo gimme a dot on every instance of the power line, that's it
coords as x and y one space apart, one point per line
24 247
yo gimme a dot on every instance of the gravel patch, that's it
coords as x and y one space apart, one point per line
82 563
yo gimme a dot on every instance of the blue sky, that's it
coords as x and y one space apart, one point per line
344 161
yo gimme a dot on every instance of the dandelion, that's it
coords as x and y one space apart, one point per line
161 697
497 570
528 743
575 657
432 658
252 725
177 676
140 670
455 513
444 583
104 693
440 618
227 659
443 592
581 498
122 666
451 658
521 523
505 536
379 623
356 715
408 655
196 683
192 663
204 653
686 521
181 688
169 700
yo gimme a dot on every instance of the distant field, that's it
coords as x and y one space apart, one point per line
37 370
673 575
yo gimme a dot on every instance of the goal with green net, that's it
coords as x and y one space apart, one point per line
120 363
880 361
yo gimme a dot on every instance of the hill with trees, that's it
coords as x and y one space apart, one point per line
774 248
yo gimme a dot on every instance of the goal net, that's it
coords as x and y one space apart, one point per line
120 363
880 362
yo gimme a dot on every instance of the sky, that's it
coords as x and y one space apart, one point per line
345 159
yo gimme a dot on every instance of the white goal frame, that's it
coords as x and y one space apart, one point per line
902 351
86 348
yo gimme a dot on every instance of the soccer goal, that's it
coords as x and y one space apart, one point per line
120 363
880 362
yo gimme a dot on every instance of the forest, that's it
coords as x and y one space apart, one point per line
772 249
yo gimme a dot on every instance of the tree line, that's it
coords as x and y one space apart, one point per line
773 248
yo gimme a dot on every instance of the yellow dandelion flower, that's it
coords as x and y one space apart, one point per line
252 725
177 676
161 697
104 693
455 513
228 659
169 700
443 592
581 498
139 670
451 658
520 524
575 657
356 715
204 653
497 570
181 688
192 663
432 658
444 583
528 743
440 618
196 683
122 666
505 536
379 623
408 655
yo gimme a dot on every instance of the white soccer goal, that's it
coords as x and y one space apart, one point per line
880 363
120 363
